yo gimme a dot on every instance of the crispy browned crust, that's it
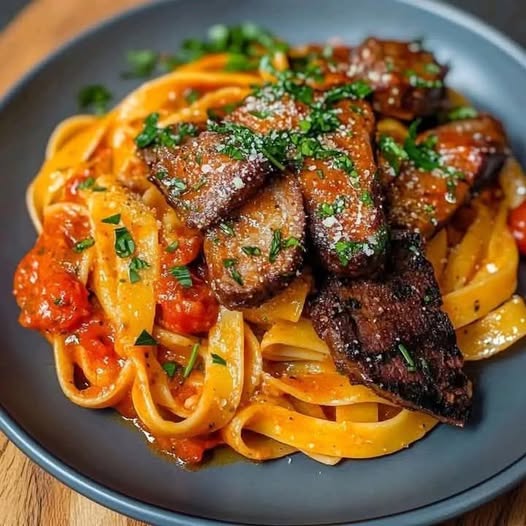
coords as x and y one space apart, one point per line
215 183
420 200
365 321
396 70
277 208
360 224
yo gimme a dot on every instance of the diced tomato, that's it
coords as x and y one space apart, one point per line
45 285
188 243
191 310
517 223
96 336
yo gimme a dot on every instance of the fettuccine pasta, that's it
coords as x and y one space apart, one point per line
193 374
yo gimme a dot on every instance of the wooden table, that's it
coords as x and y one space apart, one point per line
28 495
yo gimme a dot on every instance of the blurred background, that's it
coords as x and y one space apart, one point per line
506 15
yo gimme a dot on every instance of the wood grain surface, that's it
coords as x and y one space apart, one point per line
28 495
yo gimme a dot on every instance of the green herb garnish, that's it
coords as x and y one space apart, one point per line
94 97
170 368
275 246
227 229
124 243
462 112
112 220
191 362
145 338
230 265
152 135
82 245
135 265
182 274
172 247
218 359
251 251
410 364
141 63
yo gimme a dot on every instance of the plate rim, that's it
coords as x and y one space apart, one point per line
432 513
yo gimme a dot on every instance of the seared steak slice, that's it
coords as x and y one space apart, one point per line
341 193
258 251
391 335
470 153
202 184
344 204
408 82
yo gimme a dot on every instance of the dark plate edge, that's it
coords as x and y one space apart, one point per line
430 514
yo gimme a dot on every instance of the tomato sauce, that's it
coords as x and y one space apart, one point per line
190 310
517 222
46 286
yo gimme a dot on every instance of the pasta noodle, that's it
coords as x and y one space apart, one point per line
260 379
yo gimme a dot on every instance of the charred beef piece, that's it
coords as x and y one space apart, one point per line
258 251
202 184
469 154
391 335
341 192
408 82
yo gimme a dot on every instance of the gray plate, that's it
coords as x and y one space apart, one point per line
446 473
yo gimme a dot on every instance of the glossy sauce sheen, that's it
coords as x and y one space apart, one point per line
46 285
421 200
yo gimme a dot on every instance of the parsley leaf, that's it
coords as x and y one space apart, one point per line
216 358
94 97
462 112
135 265
182 274
112 220
275 246
82 245
152 135
230 265
251 251
145 338
124 243
170 368
410 363
141 63
191 362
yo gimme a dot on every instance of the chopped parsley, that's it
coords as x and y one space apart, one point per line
346 249
176 186
410 363
141 63
393 152
135 265
191 96
145 338
182 274
82 245
358 89
251 251
124 243
94 97
112 220
419 82
170 368
216 358
275 246
462 112
152 135
230 265
227 229
191 362
432 68
172 247
291 242
366 198
328 210
89 184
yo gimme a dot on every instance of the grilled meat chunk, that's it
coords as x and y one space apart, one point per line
344 202
203 184
408 82
257 252
391 335
337 178
454 160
